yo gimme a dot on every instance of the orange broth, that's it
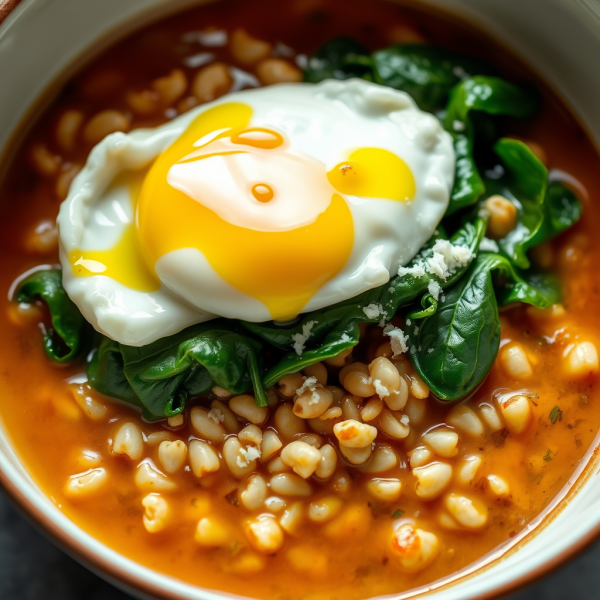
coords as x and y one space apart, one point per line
350 559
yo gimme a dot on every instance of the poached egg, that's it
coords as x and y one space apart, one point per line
261 205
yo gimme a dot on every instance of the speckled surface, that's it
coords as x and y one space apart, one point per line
31 568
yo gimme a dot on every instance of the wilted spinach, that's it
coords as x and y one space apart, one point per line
339 58
70 334
335 328
544 210
428 73
160 377
454 348
489 95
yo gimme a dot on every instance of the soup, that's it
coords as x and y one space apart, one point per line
354 478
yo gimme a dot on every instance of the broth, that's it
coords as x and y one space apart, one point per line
349 557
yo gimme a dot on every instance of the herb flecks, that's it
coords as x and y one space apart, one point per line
236 548
397 513
549 455
555 415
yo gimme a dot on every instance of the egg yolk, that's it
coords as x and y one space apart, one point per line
261 254
374 173
282 269
123 262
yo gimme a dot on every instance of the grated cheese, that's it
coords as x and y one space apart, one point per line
380 389
300 339
216 415
310 384
373 311
447 258
246 456
398 340
435 289
416 271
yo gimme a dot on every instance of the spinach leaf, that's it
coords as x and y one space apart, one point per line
339 58
563 209
428 73
70 334
106 374
161 376
544 210
329 331
453 349
538 289
490 95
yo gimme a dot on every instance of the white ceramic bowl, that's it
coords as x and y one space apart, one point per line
40 43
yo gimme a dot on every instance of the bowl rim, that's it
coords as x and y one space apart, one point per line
6 7
119 574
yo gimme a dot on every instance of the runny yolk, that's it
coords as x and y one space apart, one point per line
262 192
282 269
374 173
124 262
258 137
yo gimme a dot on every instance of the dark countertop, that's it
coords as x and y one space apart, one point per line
31 568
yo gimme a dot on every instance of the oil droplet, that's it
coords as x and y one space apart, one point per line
262 192
258 138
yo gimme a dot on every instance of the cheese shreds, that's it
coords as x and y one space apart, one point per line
372 311
435 289
447 258
436 265
380 389
416 271
216 415
246 456
300 339
310 384
488 245
398 340
405 419
345 337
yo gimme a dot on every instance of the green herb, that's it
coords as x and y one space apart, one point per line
236 548
555 415
397 513
549 455
70 334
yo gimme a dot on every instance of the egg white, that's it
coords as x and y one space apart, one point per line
325 121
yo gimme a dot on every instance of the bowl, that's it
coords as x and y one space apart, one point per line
560 39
